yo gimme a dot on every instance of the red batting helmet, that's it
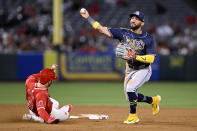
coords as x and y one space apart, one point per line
46 75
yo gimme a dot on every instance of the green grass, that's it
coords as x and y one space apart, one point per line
174 94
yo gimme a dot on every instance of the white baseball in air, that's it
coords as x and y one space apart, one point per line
83 10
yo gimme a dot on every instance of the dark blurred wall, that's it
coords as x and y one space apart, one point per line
178 68
192 4
8 67
88 66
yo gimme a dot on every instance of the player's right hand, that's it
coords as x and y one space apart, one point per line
131 54
84 13
52 120
54 67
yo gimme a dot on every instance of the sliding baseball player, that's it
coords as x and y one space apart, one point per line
42 107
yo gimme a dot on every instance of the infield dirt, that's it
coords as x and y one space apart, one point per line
168 119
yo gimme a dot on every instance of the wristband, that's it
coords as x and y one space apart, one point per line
95 24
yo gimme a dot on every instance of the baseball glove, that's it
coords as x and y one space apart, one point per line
125 52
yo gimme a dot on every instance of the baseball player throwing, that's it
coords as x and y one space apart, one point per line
41 106
137 47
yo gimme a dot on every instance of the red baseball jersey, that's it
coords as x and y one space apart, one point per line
38 98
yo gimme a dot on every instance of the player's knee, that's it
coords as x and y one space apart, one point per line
55 103
132 97
60 114
131 88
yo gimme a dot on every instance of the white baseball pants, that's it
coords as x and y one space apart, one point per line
134 79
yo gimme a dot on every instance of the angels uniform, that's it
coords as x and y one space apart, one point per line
38 100
41 106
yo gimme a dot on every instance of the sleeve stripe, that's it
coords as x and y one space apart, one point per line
40 108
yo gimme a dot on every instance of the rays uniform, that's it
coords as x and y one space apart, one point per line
138 65
142 44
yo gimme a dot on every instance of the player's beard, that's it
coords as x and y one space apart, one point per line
136 27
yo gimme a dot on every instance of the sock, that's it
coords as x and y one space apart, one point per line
142 98
133 101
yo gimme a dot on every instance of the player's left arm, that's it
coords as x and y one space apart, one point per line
150 50
145 58
41 102
142 58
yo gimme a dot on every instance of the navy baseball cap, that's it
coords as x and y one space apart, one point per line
138 14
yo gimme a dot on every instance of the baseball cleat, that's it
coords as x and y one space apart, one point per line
27 117
155 104
69 108
132 119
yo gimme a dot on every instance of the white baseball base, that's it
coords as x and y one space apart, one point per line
90 116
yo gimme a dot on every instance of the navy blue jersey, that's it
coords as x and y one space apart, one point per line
142 44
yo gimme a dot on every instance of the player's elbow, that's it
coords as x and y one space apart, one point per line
105 31
152 58
151 61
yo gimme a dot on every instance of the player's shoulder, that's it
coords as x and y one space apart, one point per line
125 29
120 29
41 90
40 93
34 77
148 35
